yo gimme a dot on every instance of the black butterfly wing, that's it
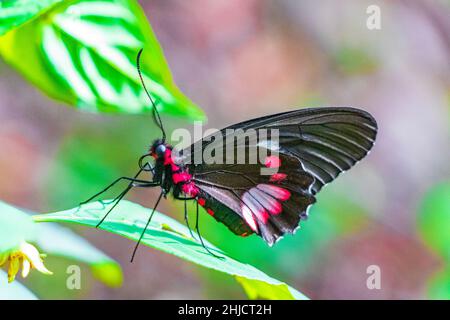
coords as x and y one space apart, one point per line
315 146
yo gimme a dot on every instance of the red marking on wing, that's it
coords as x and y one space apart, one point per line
258 210
268 202
275 191
278 177
249 218
272 162
201 202
210 212
261 202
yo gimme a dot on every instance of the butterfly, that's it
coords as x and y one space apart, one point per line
313 147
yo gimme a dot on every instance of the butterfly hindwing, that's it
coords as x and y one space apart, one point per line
264 205
226 210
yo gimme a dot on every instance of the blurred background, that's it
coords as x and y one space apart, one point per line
243 59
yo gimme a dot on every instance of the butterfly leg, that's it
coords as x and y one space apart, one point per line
142 183
132 180
118 180
123 193
186 218
197 229
146 226
133 183
116 202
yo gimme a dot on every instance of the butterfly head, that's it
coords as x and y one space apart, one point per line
159 149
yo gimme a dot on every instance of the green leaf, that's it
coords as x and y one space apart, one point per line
14 13
84 53
257 289
14 290
165 234
434 220
17 226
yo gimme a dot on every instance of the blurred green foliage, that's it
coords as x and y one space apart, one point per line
88 161
355 60
439 285
434 220
434 226
168 235
84 53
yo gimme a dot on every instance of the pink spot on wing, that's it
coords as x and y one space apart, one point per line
275 191
278 177
275 207
255 207
210 212
272 205
272 162
201 202
249 218
262 215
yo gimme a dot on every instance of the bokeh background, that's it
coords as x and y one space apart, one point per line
242 59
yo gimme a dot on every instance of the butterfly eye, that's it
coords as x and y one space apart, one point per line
160 150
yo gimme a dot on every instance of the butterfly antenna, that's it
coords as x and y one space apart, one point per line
156 115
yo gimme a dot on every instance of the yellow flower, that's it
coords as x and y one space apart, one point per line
26 256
